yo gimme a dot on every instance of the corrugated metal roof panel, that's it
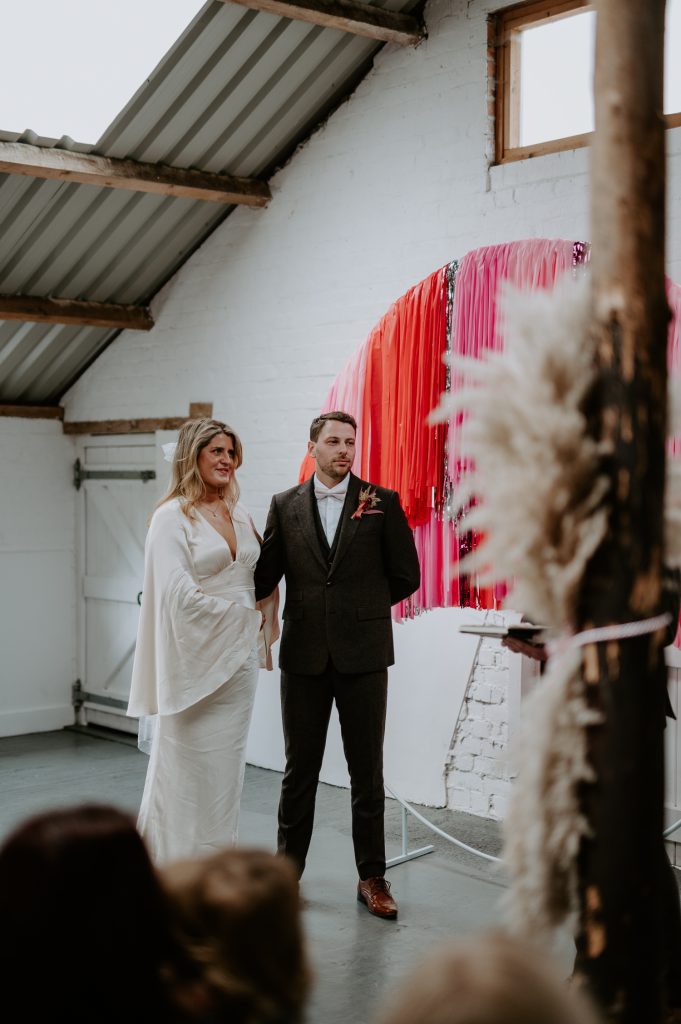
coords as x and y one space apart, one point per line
236 94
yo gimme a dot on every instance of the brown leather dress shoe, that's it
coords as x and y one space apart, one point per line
375 893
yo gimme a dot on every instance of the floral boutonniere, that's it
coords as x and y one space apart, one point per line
368 500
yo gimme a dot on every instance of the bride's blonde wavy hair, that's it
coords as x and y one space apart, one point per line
185 481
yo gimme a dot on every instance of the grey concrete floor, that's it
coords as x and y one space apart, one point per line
357 959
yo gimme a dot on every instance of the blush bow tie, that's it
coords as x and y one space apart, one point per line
320 495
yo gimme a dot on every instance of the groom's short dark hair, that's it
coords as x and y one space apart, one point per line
318 422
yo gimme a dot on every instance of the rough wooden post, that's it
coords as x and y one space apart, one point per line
623 939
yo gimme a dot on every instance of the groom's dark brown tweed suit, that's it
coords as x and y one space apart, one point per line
337 645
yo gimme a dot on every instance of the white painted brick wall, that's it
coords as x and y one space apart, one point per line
263 316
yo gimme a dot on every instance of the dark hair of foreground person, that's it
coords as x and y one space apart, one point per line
86 930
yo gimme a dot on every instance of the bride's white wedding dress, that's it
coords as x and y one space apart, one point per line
196 670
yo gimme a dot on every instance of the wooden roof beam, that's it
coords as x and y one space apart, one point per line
346 15
36 309
33 412
159 179
141 425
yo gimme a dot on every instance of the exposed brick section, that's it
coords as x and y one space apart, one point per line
476 772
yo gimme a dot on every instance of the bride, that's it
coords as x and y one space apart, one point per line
200 643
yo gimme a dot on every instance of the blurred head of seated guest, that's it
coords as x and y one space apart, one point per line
86 931
238 912
487 979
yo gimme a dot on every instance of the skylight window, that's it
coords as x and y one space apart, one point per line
69 67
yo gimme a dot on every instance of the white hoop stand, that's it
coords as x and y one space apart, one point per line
406 854
672 828
412 854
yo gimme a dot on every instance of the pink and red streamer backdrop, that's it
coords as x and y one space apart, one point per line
394 380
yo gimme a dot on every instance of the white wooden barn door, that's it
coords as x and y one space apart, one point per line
119 488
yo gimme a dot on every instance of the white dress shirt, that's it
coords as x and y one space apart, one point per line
330 504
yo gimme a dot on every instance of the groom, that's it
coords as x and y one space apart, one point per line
347 554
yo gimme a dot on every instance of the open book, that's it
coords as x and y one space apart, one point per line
527 631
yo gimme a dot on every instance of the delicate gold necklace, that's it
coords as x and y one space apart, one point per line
209 508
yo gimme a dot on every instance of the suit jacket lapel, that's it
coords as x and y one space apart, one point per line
348 525
304 511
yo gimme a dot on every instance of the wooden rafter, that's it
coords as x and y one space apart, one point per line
160 179
33 412
359 19
145 425
135 426
36 309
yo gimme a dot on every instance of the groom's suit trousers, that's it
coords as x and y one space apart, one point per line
306 703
